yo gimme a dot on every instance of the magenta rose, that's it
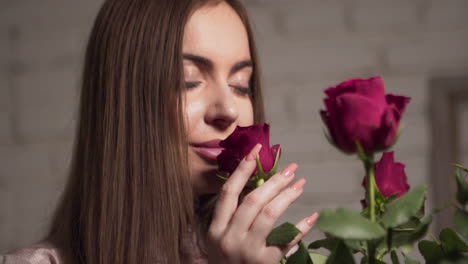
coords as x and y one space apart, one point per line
359 110
240 143
390 176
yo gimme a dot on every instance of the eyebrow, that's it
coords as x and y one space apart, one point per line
209 64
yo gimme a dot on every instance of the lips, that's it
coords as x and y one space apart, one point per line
209 149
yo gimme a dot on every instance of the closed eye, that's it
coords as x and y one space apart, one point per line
191 85
242 90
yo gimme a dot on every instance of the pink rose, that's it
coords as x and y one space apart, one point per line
240 143
359 110
390 176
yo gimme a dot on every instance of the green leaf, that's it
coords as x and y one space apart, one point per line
394 257
402 209
431 251
283 234
451 241
460 221
341 255
461 167
301 256
355 245
318 258
462 188
411 261
364 260
328 243
409 233
347 224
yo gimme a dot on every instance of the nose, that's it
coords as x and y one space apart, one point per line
222 112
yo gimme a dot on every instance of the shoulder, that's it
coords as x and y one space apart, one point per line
39 253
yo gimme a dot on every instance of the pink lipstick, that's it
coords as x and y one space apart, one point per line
209 149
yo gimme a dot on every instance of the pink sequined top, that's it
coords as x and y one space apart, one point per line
40 253
46 253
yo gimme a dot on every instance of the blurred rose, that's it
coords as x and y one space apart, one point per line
359 110
241 142
390 176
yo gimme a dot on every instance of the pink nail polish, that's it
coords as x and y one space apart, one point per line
311 219
297 186
289 170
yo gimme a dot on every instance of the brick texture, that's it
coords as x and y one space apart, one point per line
305 46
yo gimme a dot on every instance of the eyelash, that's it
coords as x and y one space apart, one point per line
241 90
191 85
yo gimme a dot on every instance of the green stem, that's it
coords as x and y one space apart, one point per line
369 165
371 191
433 237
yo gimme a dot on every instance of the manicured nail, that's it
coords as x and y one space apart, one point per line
297 186
292 251
289 170
311 219
254 152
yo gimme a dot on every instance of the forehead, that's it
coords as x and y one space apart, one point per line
216 32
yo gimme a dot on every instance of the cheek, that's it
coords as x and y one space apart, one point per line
193 111
246 114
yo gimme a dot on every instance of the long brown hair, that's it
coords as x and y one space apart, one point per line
129 198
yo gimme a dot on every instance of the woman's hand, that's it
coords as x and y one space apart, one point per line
238 233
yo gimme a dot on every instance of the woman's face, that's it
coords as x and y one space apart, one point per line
217 70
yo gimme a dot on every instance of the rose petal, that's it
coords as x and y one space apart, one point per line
335 118
372 88
361 117
388 130
390 176
399 101
240 143
359 110
228 160
342 88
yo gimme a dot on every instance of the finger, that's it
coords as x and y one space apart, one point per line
292 251
257 199
229 194
305 225
269 214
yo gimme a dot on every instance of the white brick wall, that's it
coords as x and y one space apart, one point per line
46 103
316 59
305 46
439 52
446 15
311 17
464 125
385 16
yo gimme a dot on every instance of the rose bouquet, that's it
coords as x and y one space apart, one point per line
364 121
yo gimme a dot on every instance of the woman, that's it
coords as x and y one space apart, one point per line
163 82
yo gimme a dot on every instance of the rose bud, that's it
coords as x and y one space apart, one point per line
390 176
358 110
240 143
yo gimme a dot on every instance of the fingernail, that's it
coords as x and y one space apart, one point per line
297 186
311 219
292 251
289 170
253 153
